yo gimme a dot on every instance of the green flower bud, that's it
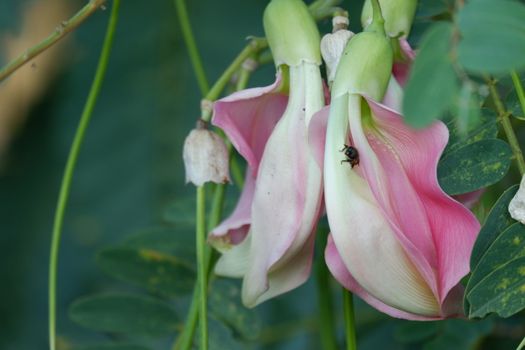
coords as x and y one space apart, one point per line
365 67
398 15
292 33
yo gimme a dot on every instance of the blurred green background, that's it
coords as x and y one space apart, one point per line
130 168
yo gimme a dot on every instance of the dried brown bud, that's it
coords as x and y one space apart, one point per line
205 157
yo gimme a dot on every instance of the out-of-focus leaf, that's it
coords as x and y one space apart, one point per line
467 109
486 128
174 242
432 8
111 347
492 36
474 166
225 303
221 336
498 282
433 84
415 332
497 221
125 313
512 101
181 211
459 335
151 269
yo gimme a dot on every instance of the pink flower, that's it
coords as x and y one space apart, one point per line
268 240
397 240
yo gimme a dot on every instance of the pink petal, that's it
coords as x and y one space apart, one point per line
288 191
338 269
248 118
233 229
401 69
400 165
369 248
317 134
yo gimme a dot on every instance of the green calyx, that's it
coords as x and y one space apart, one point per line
365 66
292 33
398 15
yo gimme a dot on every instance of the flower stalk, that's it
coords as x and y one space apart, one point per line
503 116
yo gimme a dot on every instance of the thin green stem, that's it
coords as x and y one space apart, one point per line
70 168
503 116
325 300
202 275
185 339
348 307
519 90
189 39
61 31
253 47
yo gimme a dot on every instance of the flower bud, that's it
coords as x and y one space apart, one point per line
398 15
332 47
291 32
517 204
365 67
205 157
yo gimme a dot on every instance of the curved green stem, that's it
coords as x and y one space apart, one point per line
255 45
350 334
61 31
189 39
70 168
503 116
519 90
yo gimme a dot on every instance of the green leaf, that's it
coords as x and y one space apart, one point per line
179 243
225 303
497 221
467 108
486 128
181 212
492 36
432 85
474 166
221 336
110 347
151 269
459 335
125 313
498 282
415 332
433 8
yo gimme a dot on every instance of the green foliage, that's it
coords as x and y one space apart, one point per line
474 166
415 332
432 85
151 269
497 221
225 304
125 313
111 347
484 129
497 283
492 36
458 335
498 264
